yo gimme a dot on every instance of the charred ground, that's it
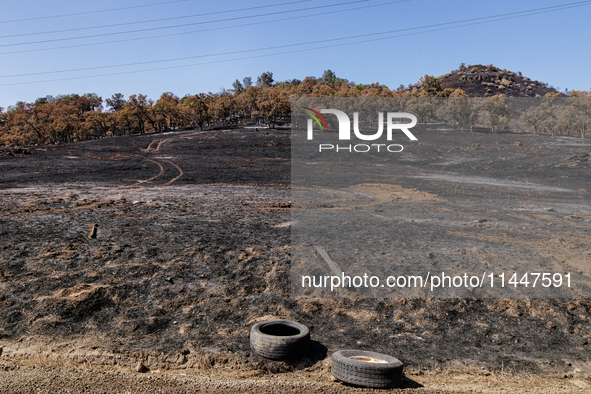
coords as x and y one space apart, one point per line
193 247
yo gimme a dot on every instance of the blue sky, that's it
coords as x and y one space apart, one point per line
550 46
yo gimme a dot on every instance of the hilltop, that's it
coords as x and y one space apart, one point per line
482 81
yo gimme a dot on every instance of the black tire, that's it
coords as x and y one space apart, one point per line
280 339
367 369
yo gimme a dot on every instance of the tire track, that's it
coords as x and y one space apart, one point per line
160 173
175 178
150 145
140 182
170 138
150 148
160 161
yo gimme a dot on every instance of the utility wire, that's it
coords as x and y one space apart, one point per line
248 57
155 20
91 12
465 22
274 20
497 19
186 24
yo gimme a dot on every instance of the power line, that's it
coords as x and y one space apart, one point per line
274 20
498 17
155 20
463 23
91 12
243 58
186 24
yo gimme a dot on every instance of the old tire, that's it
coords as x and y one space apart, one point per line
367 369
280 339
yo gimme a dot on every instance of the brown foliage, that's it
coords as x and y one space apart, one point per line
71 118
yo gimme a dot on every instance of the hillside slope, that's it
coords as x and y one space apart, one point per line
481 81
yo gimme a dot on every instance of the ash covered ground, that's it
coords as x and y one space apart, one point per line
193 247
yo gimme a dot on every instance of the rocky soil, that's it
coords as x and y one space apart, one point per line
482 81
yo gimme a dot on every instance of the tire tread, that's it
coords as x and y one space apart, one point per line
365 374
